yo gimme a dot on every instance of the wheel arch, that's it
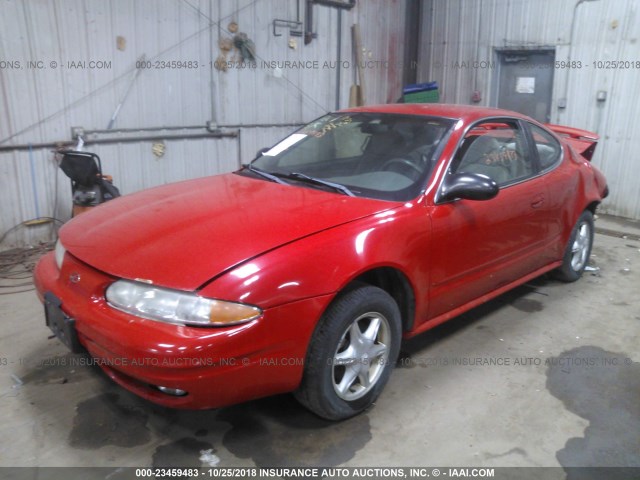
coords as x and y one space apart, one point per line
396 284
593 206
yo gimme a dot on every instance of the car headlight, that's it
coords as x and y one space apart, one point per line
177 307
59 252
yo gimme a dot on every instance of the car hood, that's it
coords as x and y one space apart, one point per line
182 235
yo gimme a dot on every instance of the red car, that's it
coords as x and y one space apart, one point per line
303 271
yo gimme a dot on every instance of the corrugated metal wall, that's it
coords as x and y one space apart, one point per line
48 86
604 31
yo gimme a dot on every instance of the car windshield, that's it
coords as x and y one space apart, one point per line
384 156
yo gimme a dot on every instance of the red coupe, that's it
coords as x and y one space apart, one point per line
304 270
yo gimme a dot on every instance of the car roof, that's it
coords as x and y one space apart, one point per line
467 113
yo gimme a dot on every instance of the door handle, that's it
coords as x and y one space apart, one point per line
537 201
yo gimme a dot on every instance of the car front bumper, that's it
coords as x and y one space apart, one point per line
215 366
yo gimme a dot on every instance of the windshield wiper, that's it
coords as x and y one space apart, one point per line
264 174
318 181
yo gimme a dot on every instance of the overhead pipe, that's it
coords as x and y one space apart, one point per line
308 20
339 60
112 140
308 23
563 101
192 127
336 4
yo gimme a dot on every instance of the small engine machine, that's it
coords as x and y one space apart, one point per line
89 186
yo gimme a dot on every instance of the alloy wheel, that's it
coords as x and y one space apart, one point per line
361 356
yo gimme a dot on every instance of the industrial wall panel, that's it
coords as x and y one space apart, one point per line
459 39
48 86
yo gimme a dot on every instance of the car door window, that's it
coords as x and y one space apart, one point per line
548 148
497 149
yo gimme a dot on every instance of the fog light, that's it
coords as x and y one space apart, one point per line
176 392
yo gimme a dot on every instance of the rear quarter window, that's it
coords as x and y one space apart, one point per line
549 149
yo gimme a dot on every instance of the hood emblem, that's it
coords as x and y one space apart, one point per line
74 277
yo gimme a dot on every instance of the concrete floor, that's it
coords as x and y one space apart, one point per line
565 394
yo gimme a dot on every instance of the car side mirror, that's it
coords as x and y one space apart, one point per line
470 186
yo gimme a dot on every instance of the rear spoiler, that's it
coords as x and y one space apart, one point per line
582 141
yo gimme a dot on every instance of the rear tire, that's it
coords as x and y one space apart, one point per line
351 354
578 250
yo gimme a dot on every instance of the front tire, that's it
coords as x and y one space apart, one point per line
351 354
578 250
